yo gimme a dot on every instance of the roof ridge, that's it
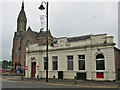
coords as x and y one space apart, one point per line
79 36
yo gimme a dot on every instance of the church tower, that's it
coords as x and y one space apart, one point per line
21 30
23 38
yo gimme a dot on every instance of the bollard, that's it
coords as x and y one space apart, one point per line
37 77
75 79
22 76
53 78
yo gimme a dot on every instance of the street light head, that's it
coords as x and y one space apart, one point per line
41 7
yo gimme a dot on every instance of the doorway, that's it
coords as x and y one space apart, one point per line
81 76
118 76
33 69
60 74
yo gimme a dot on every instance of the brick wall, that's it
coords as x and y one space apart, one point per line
117 62
28 36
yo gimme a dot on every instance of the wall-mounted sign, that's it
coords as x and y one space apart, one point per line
26 67
37 67
43 21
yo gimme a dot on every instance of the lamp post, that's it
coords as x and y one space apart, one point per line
42 8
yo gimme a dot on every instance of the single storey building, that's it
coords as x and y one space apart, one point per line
89 57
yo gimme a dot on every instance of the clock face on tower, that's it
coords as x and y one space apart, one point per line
61 43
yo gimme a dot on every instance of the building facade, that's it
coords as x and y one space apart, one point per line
90 57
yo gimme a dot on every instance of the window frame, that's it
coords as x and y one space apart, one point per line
79 59
70 60
45 62
56 61
100 59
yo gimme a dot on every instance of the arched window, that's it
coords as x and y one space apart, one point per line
100 64
28 43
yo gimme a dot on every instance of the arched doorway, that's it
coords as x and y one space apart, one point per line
33 67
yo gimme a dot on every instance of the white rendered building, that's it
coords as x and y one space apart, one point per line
90 57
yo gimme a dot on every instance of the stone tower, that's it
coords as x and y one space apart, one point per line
21 30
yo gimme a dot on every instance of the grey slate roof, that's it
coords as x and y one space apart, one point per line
72 39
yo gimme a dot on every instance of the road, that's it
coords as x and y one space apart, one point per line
20 84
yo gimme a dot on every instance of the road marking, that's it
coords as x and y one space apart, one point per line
63 84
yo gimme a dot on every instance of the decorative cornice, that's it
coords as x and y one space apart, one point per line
70 48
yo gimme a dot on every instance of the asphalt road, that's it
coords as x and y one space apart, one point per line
18 84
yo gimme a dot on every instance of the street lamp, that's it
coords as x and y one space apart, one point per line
42 8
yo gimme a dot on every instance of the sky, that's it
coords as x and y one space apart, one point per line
67 18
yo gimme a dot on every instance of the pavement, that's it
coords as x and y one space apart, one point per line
66 82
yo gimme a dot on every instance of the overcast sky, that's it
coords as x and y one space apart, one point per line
66 19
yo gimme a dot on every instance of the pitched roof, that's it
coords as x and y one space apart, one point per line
35 34
42 34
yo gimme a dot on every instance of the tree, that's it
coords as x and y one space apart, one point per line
6 64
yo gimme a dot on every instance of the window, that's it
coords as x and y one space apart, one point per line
55 62
28 43
81 62
70 62
45 63
100 65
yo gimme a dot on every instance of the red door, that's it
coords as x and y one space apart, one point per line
100 74
33 69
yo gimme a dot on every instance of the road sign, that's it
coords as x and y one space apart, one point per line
21 67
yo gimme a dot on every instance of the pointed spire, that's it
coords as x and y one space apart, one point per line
22 12
29 28
22 5
21 20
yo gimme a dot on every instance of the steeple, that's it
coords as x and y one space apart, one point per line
22 5
21 20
